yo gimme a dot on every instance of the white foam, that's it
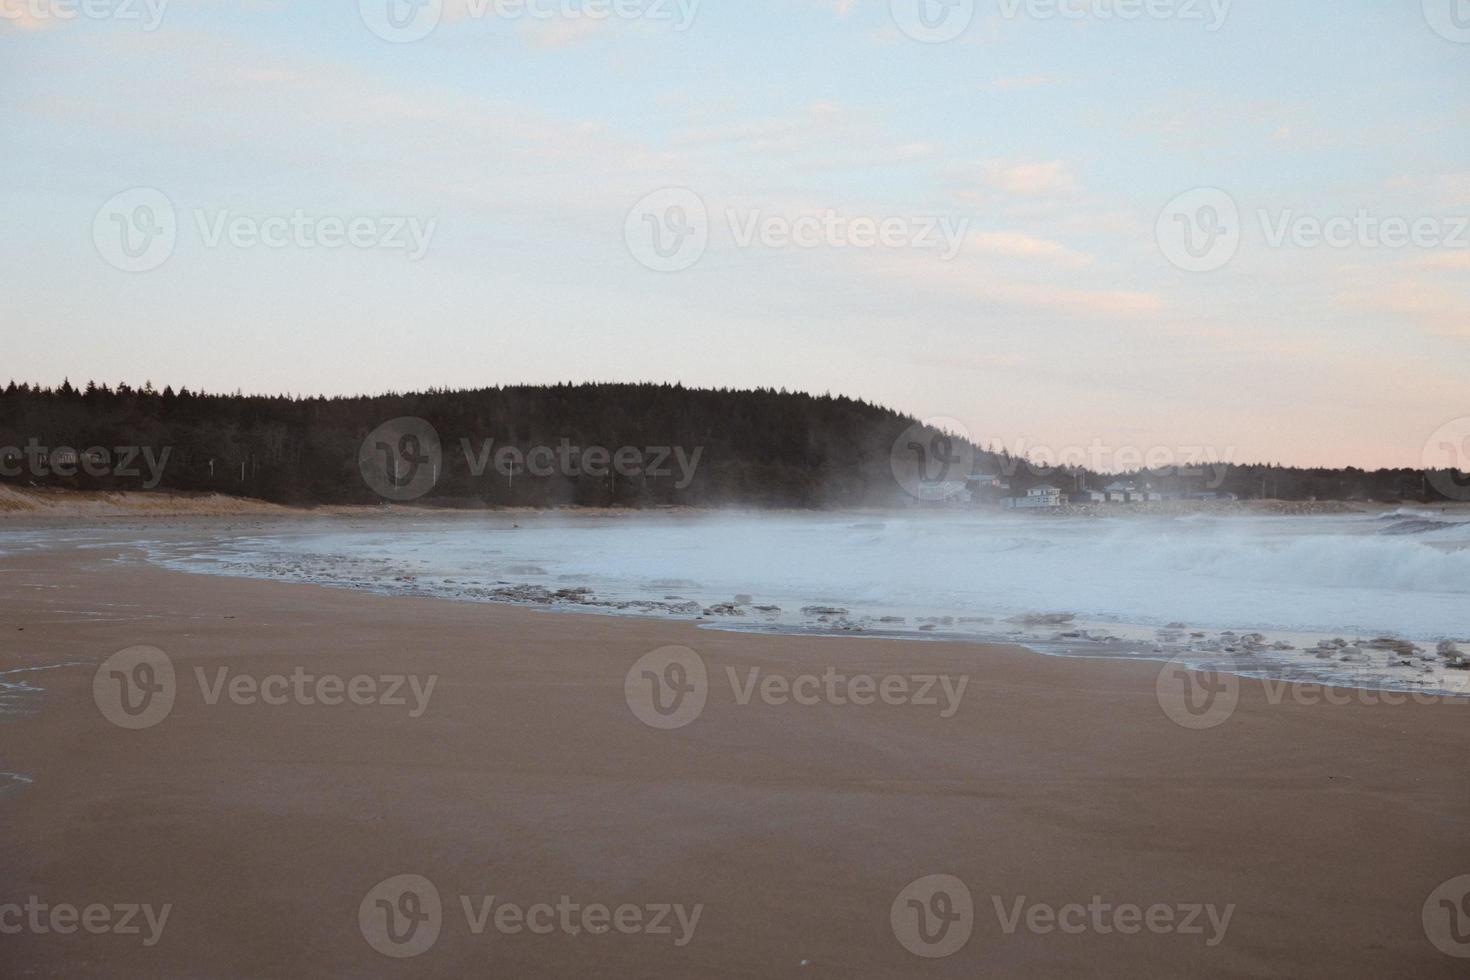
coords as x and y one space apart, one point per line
1336 575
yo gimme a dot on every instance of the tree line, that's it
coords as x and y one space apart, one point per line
762 448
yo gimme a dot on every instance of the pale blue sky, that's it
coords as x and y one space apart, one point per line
1057 141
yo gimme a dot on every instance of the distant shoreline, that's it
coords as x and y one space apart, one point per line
49 502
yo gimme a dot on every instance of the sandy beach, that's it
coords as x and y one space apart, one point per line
764 838
719 491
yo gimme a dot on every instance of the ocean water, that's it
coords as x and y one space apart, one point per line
1196 588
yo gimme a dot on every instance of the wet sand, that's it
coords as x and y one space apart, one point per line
528 777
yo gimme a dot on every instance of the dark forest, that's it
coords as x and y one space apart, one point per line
756 448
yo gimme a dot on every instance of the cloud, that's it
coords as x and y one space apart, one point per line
1439 191
1116 303
766 133
1022 246
1016 178
1193 120
562 32
1435 308
970 278
819 137
1447 261
971 362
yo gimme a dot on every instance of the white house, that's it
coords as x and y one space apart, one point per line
1120 492
1045 495
1088 497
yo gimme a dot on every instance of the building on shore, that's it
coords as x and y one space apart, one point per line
1036 498
1121 492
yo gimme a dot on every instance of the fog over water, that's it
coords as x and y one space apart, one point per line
1143 586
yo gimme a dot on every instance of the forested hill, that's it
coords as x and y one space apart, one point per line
759 448
561 445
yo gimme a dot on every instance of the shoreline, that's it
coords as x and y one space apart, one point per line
529 777
1108 651
1347 658
54 503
